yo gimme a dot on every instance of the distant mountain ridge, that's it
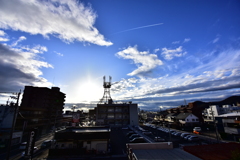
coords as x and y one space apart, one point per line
228 101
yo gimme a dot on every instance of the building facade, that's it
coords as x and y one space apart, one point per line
117 114
41 108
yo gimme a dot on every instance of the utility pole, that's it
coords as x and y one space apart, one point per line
170 138
16 107
215 126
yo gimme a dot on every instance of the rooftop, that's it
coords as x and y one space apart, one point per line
162 154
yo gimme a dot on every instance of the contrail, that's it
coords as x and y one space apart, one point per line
139 28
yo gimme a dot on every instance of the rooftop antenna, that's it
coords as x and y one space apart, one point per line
106 95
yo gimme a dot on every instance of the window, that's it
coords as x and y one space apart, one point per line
187 119
193 119
196 119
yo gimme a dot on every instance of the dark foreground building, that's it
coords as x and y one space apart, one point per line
81 142
41 108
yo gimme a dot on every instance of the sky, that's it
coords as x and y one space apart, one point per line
158 53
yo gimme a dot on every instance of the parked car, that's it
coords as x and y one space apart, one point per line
138 140
198 129
147 133
159 139
173 132
133 135
193 138
184 134
130 139
178 134
46 144
187 136
130 133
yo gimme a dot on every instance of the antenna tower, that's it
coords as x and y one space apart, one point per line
106 95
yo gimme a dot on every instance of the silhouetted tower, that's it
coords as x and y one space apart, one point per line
106 95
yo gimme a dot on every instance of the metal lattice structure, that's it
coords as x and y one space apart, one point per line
106 99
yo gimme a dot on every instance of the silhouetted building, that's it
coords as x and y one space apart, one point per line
41 108
117 114
6 121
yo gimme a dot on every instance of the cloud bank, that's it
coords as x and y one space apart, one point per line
169 54
68 20
20 66
215 78
146 62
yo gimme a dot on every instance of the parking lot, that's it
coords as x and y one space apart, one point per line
161 134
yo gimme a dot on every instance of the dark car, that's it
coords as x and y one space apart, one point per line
147 133
130 133
159 139
133 136
193 138
178 134
188 136
138 140
46 144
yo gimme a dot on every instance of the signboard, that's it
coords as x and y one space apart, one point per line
75 117
30 144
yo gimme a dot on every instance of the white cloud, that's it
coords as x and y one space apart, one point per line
156 50
35 49
2 33
3 39
68 20
176 42
145 61
21 66
186 40
218 36
22 38
216 40
60 54
169 54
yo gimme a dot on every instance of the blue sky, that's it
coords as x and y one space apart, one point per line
157 52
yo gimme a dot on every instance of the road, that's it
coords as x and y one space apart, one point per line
16 153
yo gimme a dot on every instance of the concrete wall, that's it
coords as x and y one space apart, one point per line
163 145
133 112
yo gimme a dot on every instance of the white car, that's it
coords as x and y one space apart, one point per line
198 129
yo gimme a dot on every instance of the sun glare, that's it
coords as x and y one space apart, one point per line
90 92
